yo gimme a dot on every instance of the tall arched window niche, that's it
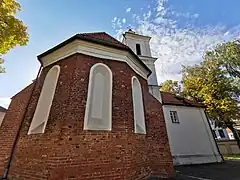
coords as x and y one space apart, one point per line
44 104
138 109
98 112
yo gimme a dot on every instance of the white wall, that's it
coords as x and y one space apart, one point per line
131 41
149 61
191 141
228 147
231 136
2 114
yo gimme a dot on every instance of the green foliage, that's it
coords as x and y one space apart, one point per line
208 83
214 82
12 30
228 55
1 68
173 87
232 157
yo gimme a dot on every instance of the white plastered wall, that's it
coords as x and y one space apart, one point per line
191 141
131 39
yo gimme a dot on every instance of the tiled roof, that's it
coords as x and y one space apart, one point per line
171 99
99 38
104 37
2 109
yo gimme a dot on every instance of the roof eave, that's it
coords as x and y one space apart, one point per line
137 35
2 109
39 57
79 37
184 105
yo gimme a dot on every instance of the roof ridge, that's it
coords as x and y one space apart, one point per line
114 40
96 32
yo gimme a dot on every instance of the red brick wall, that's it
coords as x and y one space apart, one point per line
11 124
65 151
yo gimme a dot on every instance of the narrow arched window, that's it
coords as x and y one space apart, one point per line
138 109
138 49
44 104
98 112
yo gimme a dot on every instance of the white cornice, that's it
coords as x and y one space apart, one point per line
148 59
95 50
136 36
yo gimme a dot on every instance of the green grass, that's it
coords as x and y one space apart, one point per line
234 156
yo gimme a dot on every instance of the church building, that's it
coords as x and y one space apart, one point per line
93 112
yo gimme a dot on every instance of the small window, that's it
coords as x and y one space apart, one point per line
221 133
174 116
138 49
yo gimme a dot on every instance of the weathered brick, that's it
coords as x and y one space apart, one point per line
66 151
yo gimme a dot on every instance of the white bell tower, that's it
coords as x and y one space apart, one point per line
141 46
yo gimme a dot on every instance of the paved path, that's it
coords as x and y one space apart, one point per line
229 170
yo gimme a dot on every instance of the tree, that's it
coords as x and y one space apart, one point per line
171 86
207 83
12 30
228 56
214 82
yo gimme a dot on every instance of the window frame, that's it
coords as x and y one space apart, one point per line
174 117
138 49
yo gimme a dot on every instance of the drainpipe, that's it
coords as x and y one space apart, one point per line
19 129
213 136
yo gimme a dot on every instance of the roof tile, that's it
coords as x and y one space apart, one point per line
102 36
171 99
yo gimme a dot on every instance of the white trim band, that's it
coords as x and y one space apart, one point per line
95 50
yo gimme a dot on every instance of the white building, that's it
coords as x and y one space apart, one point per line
221 133
140 45
190 137
191 140
2 114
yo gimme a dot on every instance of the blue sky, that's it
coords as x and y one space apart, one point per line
181 31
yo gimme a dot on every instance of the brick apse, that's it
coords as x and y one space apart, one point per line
65 150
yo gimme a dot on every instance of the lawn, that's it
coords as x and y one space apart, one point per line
232 157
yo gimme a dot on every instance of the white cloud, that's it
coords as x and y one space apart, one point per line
5 101
128 9
123 20
175 46
196 15
114 19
